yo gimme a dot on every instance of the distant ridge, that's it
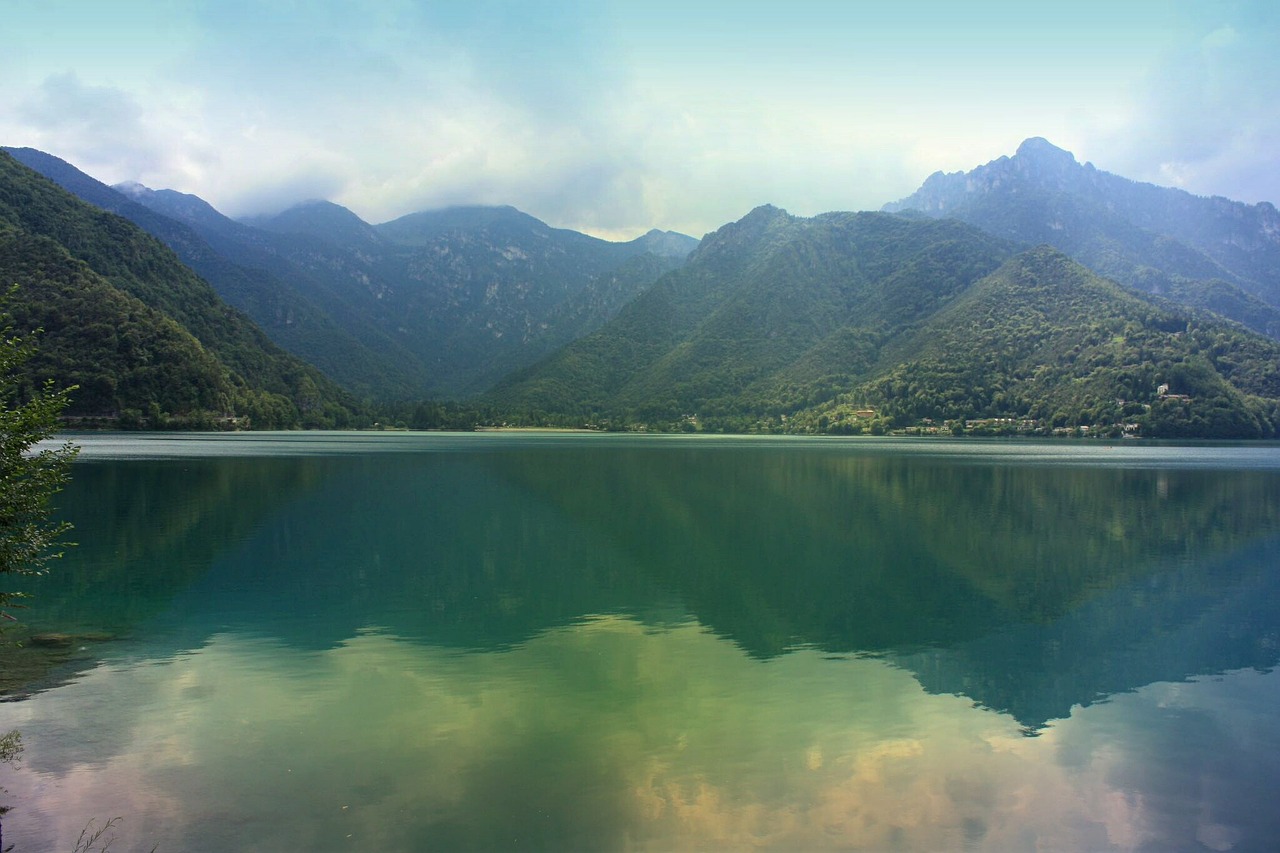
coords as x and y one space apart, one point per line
1204 252
454 299
323 219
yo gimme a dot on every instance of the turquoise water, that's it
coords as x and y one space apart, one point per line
556 641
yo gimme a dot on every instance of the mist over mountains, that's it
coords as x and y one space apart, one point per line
1031 294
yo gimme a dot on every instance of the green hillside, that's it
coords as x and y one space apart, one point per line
871 322
771 314
356 359
143 335
1044 339
121 354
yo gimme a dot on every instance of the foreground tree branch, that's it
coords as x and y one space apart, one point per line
28 478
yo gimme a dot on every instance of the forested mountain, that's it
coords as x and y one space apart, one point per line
1205 252
1046 340
846 322
770 315
938 318
146 338
359 359
439 303
457 297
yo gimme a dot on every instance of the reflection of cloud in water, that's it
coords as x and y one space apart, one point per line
603 735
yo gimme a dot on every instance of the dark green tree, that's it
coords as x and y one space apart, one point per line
29 477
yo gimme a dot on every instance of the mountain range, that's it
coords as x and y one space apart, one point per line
456 298
1206 252
851 322
1032 294
434 304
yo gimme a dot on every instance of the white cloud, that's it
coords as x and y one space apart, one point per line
616 121
423 744
1206 118
93 125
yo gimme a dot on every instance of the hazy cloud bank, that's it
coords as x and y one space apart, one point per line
614 118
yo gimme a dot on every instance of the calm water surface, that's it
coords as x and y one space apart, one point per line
500 641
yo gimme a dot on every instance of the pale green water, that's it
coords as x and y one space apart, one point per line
497 641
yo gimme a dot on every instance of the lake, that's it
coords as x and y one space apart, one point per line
402 642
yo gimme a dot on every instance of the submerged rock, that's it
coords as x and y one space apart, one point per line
52 641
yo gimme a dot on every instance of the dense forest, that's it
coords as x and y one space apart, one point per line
1043 346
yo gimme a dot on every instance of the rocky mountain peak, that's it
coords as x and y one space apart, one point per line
1043 162
1041 150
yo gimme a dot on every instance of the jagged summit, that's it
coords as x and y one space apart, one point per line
1207 252
1037 162
1042 161
1041 149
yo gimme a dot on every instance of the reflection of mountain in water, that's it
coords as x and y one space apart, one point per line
427 547
143 532
1028 589
1184 620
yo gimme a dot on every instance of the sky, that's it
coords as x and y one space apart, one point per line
616 117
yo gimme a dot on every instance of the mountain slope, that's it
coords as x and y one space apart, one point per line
1045 339
460 296
293 321
120 353
845 322
770 314
115 254
1205 252
317 323
434 304
490 290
